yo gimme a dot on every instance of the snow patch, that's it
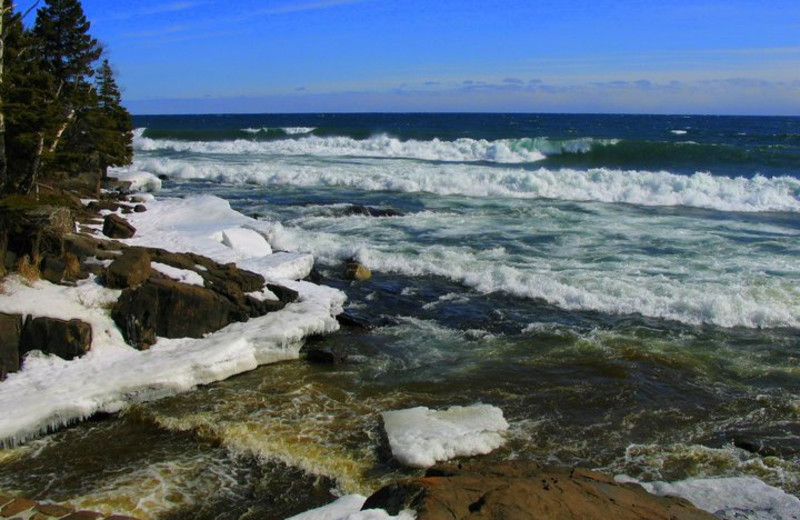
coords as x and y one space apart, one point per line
182 275
349 508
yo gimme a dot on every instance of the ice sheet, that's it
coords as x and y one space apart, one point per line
420 437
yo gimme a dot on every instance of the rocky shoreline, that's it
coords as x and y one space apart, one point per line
152 292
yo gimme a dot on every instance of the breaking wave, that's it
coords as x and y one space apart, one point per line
647 188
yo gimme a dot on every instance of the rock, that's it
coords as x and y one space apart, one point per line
524 490
115 226
369 211
355 271
10 334
284 294
65 339
139 208
326 356
66 269
100 205
347 319
162 307
128 270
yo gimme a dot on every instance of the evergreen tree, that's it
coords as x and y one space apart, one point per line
68 53
115 126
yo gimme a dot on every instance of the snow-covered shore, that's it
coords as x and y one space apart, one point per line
49 392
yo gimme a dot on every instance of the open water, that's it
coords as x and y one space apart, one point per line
625 288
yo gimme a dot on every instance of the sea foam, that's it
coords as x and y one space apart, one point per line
647 188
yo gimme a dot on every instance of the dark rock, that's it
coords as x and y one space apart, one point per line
284 294
326 356
369 211
355 271
524 490
128 270
117 185
315 276
65 339
53 270
260 308
139 208
347 319
161 307
100 205
10 335
115 226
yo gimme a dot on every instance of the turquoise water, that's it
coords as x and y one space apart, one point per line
625 288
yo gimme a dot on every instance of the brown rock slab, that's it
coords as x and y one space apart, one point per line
115 226
83 515
16 506
129 269
66 339
520 490
10 335
54 510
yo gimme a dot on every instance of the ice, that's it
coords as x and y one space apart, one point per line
740 498
182 275
244 241
349 508
49 393
420 437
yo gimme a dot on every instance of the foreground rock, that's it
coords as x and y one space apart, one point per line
10 333
65 339
526 490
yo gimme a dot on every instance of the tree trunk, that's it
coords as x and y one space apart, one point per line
33 175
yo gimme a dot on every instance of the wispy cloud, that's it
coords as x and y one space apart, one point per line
306 6
171 7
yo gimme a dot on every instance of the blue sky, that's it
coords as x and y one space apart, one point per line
667 56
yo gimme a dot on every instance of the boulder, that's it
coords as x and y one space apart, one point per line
162 307
115 226
523 490
355 271
325 356
129 269
66 269
65 339
10 332
139 208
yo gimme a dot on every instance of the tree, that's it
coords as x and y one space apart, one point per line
67 52
115 125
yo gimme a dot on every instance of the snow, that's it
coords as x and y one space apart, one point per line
349 508
741 498
49 392
182 275
420 437
247 242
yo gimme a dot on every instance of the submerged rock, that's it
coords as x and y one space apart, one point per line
355 271
369 211
524 490
326 356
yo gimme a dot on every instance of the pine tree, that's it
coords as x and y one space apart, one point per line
67 52
115 125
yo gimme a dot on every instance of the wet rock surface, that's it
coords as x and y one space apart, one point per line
525 490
